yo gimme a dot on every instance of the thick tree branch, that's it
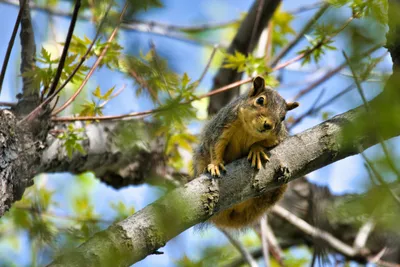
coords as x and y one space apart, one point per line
30 95
149 229
115 159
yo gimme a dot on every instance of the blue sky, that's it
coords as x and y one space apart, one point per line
347 175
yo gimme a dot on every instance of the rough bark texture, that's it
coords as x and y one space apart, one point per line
29 98
244 42
149 229
117 160
21 144
19 158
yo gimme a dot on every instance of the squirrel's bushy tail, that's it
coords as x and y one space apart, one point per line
248 211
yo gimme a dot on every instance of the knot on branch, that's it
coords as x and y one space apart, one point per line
211 197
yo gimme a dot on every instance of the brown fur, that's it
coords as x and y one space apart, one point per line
235 131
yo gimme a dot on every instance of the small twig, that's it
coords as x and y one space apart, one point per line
306 8
11 44
363 234
379 177
331 73
151 111
274 246
55 104
264 240
321 80
158 68
378 256
8 104
306 27
50 98
317 100
318 45
290 61
66 47
335 97
208 64
95 65
368 108
113 96
59 216
315 232
377 260
185 29
324 104
245 254
143 83
84 57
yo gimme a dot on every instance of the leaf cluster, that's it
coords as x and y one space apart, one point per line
72 138
151 74
320 41
176 112
281 29
94 107
250 64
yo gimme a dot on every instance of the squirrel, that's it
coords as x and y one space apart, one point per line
245 127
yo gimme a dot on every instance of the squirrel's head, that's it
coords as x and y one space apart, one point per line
264 110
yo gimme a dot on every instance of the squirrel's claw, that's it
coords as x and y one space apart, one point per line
221 165
256 155
213 169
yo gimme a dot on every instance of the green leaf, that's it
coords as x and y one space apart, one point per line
107 95
151 74
71 138
249 64
185 80
97 92
21 218
45 55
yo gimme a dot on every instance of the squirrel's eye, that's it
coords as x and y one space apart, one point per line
260 101
283 117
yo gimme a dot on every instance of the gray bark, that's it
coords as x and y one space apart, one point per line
19 158
114 155
21 145
29 98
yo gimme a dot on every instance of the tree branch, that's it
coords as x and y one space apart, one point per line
243 251
30 96
115 160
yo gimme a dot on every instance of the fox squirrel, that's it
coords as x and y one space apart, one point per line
245 127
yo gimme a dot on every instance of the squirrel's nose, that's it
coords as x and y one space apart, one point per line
267 126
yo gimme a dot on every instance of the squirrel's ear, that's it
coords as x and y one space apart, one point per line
292 105
258 86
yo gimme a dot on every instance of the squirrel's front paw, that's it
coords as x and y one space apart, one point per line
256 154
214 168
